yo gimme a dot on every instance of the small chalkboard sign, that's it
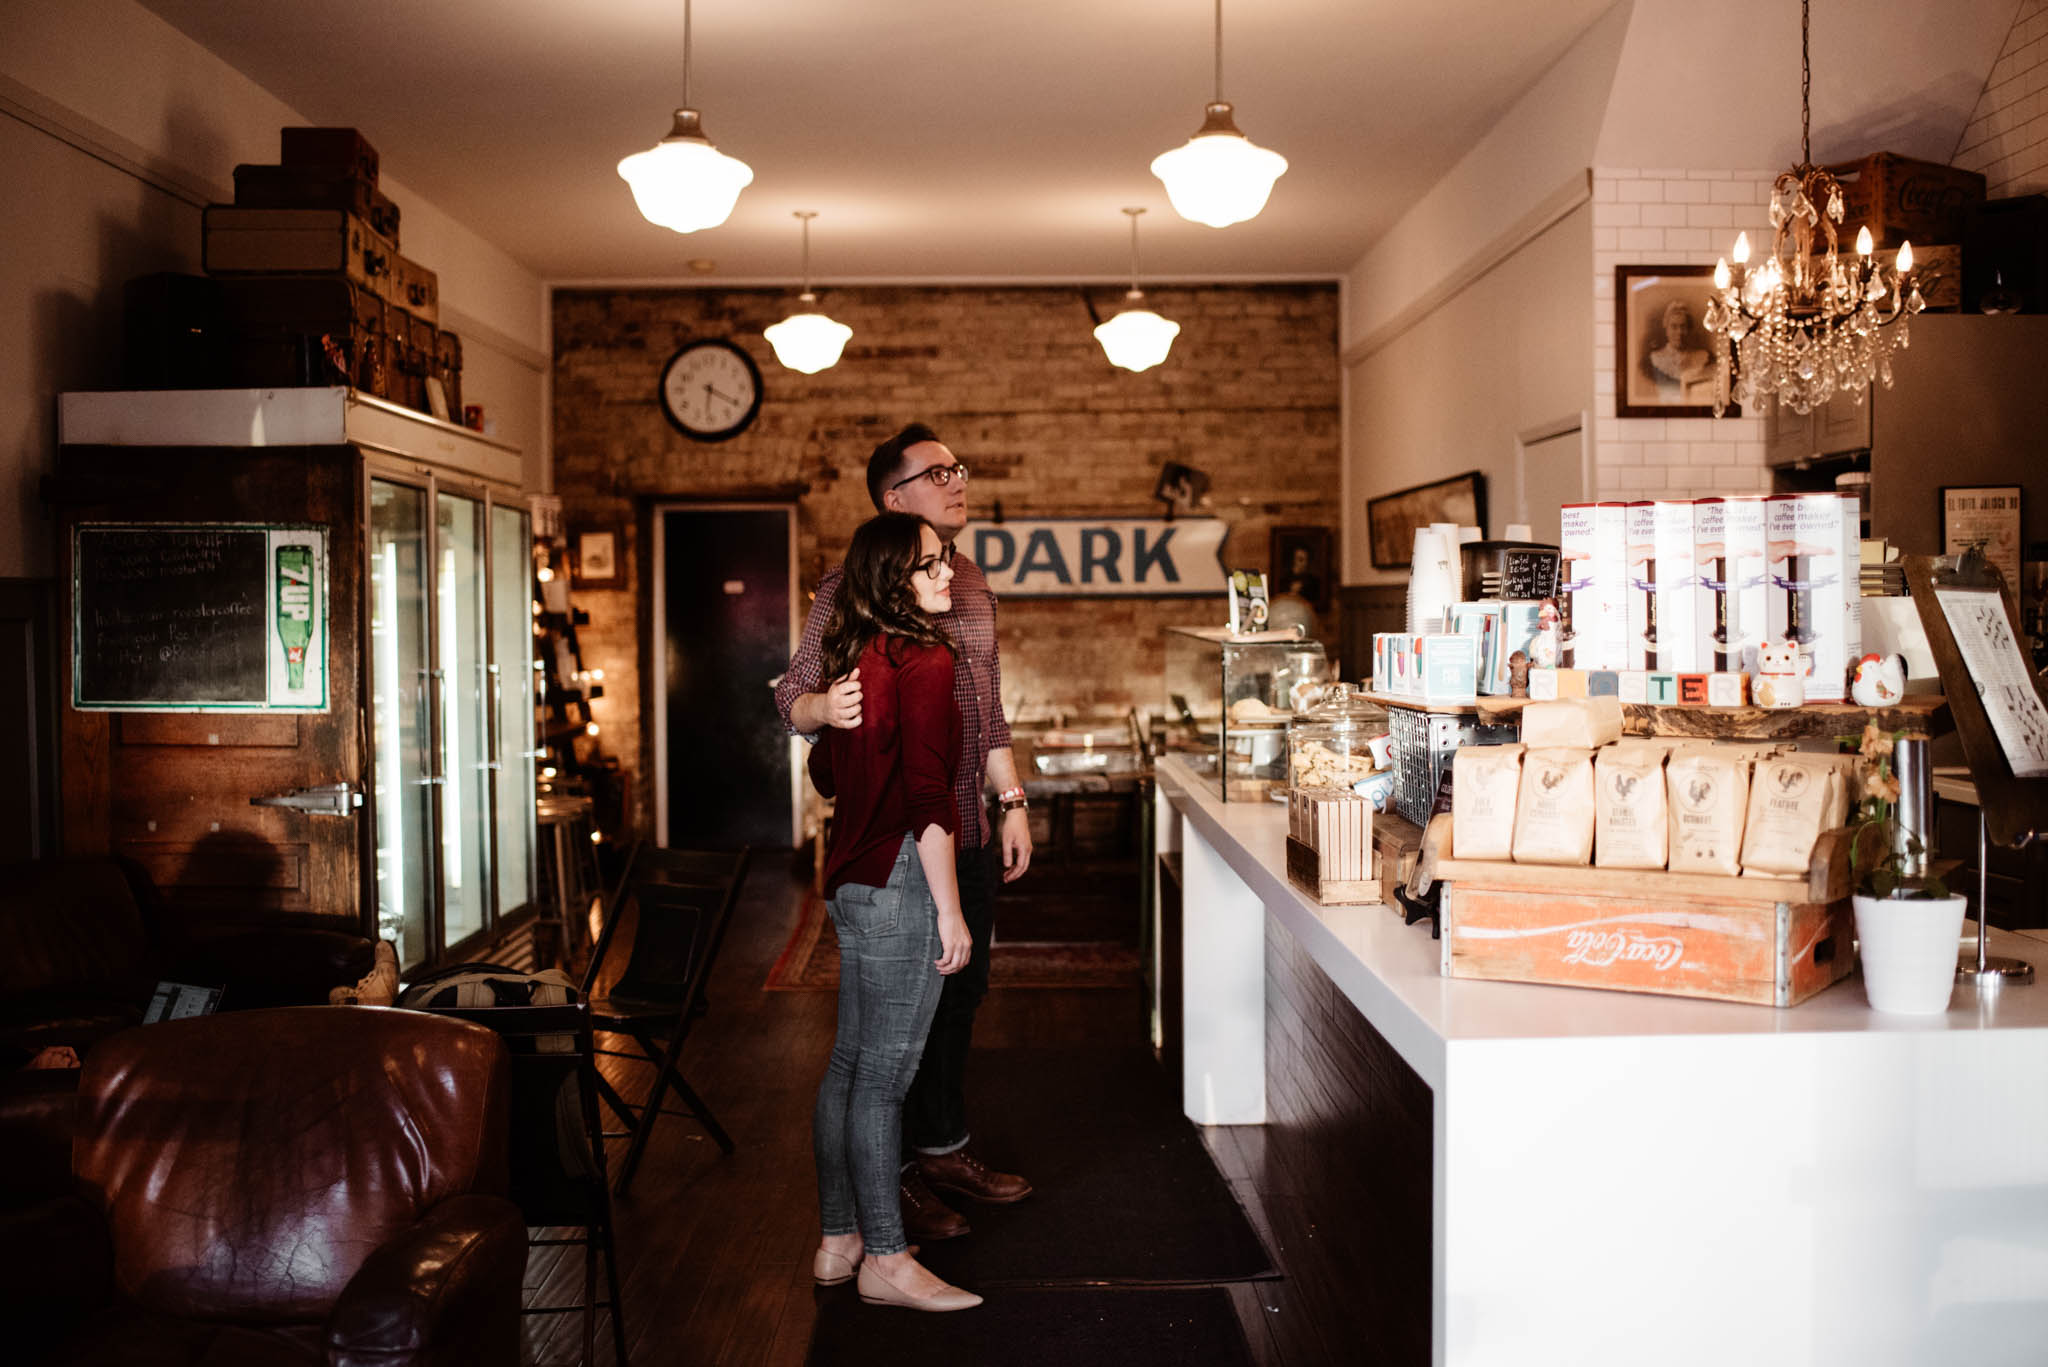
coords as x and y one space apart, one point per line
1529 574
207 617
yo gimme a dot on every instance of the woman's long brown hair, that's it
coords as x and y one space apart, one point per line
875 597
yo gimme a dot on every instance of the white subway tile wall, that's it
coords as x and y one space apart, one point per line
2007 136
1671 218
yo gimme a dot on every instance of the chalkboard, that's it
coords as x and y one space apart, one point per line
205 617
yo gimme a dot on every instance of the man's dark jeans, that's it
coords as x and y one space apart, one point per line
935 1112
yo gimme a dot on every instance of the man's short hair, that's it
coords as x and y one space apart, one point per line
885 467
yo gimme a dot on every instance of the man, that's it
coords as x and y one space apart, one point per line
913 472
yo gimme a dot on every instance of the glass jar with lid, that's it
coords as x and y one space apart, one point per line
1339 742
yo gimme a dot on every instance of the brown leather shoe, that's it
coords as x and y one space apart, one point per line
925 1216
960 1171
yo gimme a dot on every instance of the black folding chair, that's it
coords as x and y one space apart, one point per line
683 903
558 1165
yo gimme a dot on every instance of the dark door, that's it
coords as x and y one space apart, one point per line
173 790
724 637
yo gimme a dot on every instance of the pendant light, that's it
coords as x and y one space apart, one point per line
809 342
1137 338
683 182
1219 176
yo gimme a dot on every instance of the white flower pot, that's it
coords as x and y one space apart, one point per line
1909 948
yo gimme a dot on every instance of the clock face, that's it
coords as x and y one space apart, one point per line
711 390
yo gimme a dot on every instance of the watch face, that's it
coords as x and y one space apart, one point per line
711 390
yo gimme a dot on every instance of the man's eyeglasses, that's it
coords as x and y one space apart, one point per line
939 475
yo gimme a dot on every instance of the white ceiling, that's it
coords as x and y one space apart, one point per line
938 139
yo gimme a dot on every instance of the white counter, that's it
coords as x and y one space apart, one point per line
1625 1178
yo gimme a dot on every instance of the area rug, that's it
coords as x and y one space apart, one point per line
810 961
1125 1193
1036 1328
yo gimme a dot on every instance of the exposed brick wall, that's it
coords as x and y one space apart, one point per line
2007 136
1015 383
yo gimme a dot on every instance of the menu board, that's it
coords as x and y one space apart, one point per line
206 617
2005 684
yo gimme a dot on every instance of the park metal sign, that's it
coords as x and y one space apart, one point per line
1100 557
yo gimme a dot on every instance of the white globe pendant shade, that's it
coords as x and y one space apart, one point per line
1219 176
683 182
1137 338
808 342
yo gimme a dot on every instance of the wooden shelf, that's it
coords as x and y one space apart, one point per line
1918 715
1446 709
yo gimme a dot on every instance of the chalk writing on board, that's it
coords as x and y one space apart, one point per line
2004 682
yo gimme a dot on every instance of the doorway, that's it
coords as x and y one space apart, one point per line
1553 467
725 625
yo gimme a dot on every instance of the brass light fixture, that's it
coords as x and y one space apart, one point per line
1219 176
808 341
683 182
1137 338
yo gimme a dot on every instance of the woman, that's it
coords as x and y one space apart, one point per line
895 898
1681 366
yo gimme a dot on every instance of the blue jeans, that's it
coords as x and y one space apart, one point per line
888 990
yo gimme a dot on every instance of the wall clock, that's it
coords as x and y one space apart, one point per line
710 390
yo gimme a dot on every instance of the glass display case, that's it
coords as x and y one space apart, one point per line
1229 699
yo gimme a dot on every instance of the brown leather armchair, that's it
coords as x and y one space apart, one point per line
296 1186
84 941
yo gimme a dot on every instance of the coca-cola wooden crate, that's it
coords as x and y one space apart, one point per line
1899 198
1768 941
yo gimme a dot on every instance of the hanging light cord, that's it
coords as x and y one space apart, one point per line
686 53
1134 247
807 215
1219 66
1805 84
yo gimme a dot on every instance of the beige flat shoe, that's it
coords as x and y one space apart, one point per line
877 1289
832 1269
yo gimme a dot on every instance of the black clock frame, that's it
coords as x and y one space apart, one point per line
744 421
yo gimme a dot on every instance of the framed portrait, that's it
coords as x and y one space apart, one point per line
1180 488
1663 354
1391 519
600 558
1300 560
1986 515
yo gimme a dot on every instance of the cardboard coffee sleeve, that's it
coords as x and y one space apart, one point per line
1554 809
1629 821
1708 788
1790 799
1484 784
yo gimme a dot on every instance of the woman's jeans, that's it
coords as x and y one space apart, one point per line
888 990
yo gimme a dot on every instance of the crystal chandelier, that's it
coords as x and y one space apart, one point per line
1800 328
683 182
1219 176
1137 338
808 342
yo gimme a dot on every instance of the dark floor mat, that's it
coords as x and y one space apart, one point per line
1073 1328
1125 1192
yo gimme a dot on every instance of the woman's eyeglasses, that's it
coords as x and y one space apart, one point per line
930 564
939 475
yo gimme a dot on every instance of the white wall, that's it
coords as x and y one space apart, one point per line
2007 136
1451 392
114 128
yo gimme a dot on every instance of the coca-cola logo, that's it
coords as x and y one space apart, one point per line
1929 195
1600 948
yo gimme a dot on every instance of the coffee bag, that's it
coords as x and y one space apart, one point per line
1554 809
1484 785
1790 801
1708 788
1585 723
1629 806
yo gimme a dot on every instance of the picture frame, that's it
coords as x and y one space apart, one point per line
1299 558
437 399
1663 355
599 561
1391 519
1181 488
1990 515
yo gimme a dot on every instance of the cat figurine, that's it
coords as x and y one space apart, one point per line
1779 679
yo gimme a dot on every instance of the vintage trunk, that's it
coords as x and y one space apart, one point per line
415 289
299 187
1768 941
298 242
286 331
340 151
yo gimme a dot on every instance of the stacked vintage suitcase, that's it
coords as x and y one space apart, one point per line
313 288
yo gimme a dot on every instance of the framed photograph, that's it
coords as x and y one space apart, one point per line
1180 488
1986 515
600 555
1300 560
1391 519
1663 355
437 398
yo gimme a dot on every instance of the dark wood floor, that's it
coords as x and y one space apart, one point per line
716 1250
